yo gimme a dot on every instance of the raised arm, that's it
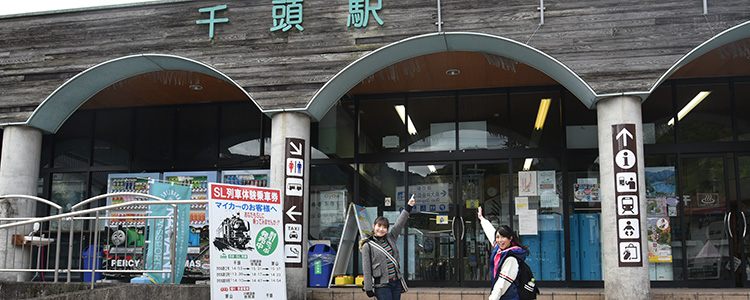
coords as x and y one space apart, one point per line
398 227
487 227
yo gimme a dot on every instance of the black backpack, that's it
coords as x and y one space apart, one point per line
525 280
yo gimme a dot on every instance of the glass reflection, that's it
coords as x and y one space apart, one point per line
431 238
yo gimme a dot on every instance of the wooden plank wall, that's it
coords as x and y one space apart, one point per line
616 46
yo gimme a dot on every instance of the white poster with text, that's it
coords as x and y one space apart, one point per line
247 247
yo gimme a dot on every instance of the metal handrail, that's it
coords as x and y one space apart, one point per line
96 223
101 208
45 201
59 232
102 196
76 215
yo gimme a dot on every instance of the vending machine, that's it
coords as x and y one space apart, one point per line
198 261
125 232
259 178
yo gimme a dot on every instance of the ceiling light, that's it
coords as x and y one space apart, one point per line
692 104
453 72
527 164
195 87
542 114
401 110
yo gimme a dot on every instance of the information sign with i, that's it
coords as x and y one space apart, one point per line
626 195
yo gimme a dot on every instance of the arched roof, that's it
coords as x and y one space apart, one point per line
736 33
355 72
66 99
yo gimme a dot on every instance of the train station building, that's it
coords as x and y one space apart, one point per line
612 136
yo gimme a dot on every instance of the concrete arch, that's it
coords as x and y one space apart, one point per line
66 99
358 70
736 33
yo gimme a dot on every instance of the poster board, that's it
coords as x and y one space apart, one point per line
247 247
357 222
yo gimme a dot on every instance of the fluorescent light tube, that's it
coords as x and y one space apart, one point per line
401 110
542 113
527 164
692 104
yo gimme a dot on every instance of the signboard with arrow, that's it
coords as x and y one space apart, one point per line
294 208
626 192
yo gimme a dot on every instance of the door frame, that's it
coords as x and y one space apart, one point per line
452 207
461 245
730 206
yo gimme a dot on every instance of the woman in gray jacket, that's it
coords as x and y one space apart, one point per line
380 258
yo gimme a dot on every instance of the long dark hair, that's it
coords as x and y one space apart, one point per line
506 231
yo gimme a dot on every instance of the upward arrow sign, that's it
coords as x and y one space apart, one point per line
624 134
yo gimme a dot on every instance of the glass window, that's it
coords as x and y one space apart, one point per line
336 131
431 243
663 219
704 198
535 120
742 110
434 120
73 141
483 121
196 132
484 184
240 130
331 191
583 177
382 186
584 219
705 203
656 112
537 189
154 134
67 190
703 112
266 134
48 141
112 137
744 203
580 128
381 128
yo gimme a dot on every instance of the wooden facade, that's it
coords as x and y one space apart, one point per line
614 46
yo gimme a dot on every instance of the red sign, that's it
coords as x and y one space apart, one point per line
245 193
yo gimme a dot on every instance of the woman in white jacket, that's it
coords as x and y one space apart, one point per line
507 250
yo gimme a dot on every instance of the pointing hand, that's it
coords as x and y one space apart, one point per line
411 200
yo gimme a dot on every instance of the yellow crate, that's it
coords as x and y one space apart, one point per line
360 280
344 279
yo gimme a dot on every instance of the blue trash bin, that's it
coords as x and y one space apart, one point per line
92 260
320 264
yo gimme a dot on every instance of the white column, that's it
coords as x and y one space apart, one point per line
292 125
19 174
630 283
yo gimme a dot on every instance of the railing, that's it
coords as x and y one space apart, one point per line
28 237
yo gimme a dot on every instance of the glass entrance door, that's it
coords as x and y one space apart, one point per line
485 184
743 219
433 225
708 245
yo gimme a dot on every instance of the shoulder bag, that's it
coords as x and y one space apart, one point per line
375 245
